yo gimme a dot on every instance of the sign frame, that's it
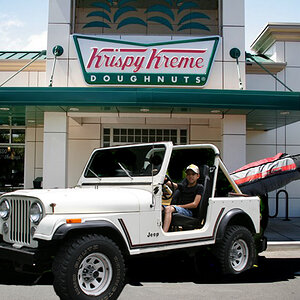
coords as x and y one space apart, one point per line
146 79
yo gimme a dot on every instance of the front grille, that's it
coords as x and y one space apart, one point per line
20 221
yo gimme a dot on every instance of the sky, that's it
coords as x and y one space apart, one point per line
23 23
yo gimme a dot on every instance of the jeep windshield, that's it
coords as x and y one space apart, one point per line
127 161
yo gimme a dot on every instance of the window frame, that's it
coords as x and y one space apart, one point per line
111 127
11 128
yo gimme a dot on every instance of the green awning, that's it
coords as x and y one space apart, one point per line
271 108
153 97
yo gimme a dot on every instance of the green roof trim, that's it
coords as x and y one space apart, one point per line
22 55
261 58
150 97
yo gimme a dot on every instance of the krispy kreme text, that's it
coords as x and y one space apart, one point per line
137 59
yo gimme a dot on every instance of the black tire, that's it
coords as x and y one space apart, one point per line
236 252
89 267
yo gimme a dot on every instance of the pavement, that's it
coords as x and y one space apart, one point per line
283 233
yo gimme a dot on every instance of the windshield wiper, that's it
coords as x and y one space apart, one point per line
127 173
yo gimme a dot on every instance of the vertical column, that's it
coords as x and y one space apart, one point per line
234 141
55 150
59 29
233 27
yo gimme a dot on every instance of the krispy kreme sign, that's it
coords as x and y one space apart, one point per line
117 62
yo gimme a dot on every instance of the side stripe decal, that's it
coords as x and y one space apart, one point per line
175 242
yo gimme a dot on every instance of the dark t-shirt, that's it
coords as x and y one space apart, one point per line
188 194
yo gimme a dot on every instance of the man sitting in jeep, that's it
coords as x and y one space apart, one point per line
188 198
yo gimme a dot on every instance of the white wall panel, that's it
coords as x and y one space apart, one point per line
55 150
231 78
233 151
235 124
257 152
60 75
293 78
215 78
75 77
292 50
233 12
261 137
233 37
58 34
59 11
263 82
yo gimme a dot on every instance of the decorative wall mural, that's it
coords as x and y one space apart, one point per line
148 17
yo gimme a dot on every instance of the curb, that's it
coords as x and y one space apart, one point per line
282 246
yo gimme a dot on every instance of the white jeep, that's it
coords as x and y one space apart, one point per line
86 234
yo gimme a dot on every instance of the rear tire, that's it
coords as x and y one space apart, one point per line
236 252
89 267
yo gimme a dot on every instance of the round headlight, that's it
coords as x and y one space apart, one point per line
4 209
36 213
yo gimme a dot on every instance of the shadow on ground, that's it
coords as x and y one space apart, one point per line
174 269
183 270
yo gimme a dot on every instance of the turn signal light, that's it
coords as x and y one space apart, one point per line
72 221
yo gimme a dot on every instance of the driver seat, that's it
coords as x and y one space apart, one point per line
198 219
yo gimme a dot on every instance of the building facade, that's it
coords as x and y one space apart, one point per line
227 105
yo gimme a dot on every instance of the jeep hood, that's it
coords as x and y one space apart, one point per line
88 200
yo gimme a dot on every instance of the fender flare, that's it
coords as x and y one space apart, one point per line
64 229
239 217
114 233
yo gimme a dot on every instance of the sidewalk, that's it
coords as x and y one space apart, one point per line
281 233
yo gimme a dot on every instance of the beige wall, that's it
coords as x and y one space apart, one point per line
23 79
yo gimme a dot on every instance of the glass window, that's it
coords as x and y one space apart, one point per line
126 162
4 135
106 131
18 136
12 136
11 158
11 167
120 136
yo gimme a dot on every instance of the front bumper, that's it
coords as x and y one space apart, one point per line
23 255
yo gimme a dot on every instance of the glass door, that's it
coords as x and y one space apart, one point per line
12 152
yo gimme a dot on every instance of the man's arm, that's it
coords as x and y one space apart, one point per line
168 183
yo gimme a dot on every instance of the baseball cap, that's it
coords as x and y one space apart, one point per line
194 168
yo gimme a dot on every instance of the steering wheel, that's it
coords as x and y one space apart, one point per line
168 191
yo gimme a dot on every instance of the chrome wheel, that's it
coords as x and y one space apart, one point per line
239 255
95 274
